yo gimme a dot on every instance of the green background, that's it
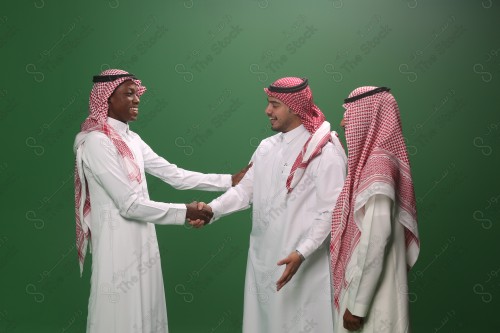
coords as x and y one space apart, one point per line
205 64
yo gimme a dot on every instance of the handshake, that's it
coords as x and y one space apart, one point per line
198 214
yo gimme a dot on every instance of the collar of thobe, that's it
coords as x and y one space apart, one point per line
293 134
118 125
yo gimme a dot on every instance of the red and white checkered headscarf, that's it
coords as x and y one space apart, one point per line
301 103
97 121
377 164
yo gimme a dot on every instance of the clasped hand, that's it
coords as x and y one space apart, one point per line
199 214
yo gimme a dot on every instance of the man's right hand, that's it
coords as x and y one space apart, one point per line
200 223
194 214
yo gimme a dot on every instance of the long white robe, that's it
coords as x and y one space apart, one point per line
377 272
127 294
283 223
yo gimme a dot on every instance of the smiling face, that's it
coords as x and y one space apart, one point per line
124 102
281 117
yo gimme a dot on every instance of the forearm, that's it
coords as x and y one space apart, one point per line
154 212
375 237
316 234
180 178
130 204
235 199
184 179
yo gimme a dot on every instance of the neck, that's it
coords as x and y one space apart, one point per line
292 127
110 115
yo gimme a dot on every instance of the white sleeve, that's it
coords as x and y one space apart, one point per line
329 180
104 165
179 178
236 198
375 236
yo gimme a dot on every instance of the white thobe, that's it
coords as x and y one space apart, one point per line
377 272
283 223
127 294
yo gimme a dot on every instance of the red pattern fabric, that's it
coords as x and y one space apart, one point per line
97 121
302 104
377 154
301 163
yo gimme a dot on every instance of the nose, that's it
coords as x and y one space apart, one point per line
136 100
268 109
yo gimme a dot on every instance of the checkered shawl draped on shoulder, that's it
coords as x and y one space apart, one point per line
97 121
377 157
302 104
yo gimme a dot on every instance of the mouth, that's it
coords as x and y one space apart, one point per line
135 111
272 119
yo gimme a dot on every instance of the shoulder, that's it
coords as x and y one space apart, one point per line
270 141
329 150
97 142
328 154
96 137
267 145
134 135
335 150
331 155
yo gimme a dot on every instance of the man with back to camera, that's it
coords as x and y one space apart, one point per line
293 185
374 230
112 205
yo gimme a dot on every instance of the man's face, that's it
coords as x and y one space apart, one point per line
280 115
123 103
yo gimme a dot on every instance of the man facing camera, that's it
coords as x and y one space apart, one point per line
114 212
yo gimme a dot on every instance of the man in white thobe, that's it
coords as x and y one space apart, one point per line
293 185
374 230
114 211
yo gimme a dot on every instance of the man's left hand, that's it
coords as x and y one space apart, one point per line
293 262
235 179
352 322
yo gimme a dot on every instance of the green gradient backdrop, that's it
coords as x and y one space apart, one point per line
205 64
